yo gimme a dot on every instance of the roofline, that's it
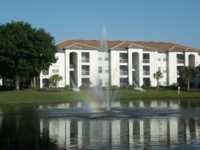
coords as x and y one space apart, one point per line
121 42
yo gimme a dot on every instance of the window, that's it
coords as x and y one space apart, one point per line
123 58
55 70
146 70
124 82
85 57
100 82
146 58
179 68
146 82
85 70
180 58
85 82
123 70
100 69
45 72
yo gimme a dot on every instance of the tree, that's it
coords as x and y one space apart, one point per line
54 79
24 51
186 75
158 75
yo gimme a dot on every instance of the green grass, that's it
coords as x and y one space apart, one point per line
161 94
61 96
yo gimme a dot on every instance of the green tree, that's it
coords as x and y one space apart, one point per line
24 51
54 79
158 75
186 75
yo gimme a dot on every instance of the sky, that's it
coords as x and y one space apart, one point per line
150 20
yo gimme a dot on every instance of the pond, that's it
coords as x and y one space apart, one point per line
150 125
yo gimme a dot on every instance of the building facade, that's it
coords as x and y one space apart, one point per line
132 63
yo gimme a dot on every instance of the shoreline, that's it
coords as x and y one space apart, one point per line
63 96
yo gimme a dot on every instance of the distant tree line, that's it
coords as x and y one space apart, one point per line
24 52
186 75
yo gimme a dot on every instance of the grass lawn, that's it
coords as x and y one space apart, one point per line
61 96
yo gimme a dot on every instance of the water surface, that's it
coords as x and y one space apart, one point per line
23 127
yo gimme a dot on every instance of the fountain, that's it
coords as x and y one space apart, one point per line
107 65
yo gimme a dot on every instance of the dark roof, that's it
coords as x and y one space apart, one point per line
123 45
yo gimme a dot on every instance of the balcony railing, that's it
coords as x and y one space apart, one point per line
123 60
146 60
123 73
85 60
85 72
180 61
146 73
72 66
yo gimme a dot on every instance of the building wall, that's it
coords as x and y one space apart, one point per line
56 68
115 68
172 65
164 61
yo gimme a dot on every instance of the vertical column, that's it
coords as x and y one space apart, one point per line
186 55
67 68
172 71
115 72
130 72
140 69
79 76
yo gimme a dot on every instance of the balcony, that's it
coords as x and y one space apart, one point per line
72 66
180 61
146 72
85 57
85 60
123 73
85 72
123 60
180 58
123 70
146 60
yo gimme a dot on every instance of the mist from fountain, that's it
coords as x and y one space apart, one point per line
101 95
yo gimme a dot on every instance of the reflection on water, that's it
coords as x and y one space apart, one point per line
124 133
132 104
25 129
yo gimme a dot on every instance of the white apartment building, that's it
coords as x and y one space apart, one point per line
82 62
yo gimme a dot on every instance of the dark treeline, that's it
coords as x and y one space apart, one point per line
24 52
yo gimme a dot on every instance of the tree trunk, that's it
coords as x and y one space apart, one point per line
158 84
33 82
188 85
17 83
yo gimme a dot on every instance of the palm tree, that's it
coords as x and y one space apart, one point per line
158 75
186 74
54 79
